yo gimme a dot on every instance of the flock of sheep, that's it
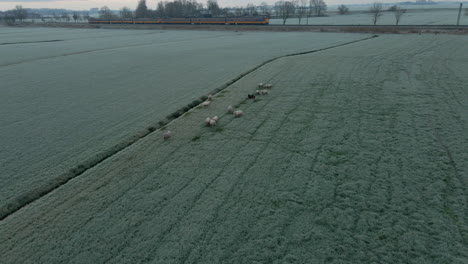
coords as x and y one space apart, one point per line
230 110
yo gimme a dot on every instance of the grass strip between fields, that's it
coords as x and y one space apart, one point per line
16 203
29 42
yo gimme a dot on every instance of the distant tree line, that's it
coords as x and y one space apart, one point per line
10 17
376 11
300 9
192 8
283 9
19 14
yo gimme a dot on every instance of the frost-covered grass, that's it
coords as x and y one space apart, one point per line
412 17
359 158
70 103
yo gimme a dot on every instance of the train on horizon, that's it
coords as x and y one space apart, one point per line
187 21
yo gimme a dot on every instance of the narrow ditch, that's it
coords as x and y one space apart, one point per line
16 203
28 42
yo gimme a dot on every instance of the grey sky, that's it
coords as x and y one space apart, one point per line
117 4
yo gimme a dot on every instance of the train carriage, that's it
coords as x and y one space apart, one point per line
187 21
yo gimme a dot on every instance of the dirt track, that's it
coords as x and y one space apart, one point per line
357 155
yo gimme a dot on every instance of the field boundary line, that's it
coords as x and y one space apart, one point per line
29 42
15 204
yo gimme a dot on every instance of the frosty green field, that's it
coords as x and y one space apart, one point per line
357 155
67 102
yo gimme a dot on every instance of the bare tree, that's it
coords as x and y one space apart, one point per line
302 9
56 17
86 16
343 10
75 16
285 9
251 10
105 13
397 12
65 17
126 13
160 9
9 18
213 7
319 7
225 12
186 8
239 11
376 11
20 13
141 10
264 9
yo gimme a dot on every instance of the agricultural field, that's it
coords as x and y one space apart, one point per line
71 97
429 16
356 155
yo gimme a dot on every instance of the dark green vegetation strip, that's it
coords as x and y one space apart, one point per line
27 42
15 204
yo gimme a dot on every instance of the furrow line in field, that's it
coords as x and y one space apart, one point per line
35 194
451 185
311 176
100 50
129 187
29 42
198 196
63 204
205 238
211 223
250 138
172 196
442 69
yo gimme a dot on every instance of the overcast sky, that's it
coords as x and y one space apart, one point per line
117 4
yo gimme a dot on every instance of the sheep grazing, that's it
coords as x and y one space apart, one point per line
215 118
207 121
260 85
251 96
264 91
210 97
167 134
206 103
268 86
230 109
238 113
257 92
212 123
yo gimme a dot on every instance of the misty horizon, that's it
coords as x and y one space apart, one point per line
82 5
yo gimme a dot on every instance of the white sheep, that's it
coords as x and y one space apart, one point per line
260 85
215 118
264 91
206 103
167 134
207 121
238 113
210 97
230 109
268 86
257 92
212 123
